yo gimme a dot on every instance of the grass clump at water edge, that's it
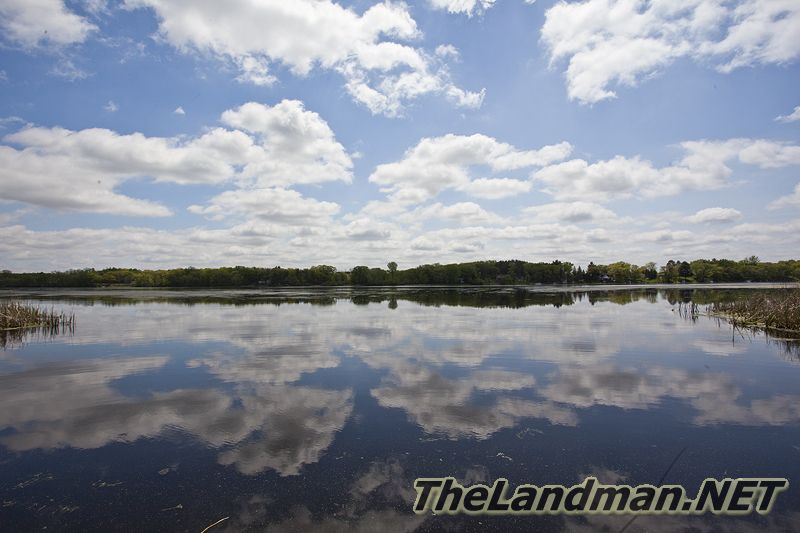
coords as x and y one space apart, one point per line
18 320
778 310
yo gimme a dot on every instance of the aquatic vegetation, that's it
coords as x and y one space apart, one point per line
772 310
18 320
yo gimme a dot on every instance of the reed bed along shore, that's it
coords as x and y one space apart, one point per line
774 310
18 320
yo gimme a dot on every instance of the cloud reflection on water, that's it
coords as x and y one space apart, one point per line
462 372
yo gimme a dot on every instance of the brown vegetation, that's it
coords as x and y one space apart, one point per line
773 310
18 320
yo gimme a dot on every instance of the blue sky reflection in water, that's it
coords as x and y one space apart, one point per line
169 411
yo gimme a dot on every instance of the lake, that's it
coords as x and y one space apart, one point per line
315 410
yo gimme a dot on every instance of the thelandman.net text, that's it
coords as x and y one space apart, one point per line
727 496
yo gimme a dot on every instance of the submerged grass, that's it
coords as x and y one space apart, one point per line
18 320
774 310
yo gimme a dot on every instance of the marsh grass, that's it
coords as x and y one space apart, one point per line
19 320
773 315
774 310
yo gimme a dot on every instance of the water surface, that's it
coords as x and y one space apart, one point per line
314 410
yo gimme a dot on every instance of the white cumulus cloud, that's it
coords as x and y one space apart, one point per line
35 23
270 146
715 214
440 163
296 145
609 43
268 204
704 166
368 49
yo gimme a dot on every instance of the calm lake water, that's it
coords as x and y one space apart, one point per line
315 410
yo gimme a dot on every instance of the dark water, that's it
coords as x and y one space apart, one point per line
315 411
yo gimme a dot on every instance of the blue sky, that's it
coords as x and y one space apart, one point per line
166 133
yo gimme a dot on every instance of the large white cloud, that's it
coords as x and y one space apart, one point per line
79 170
297 145
58 168
622 42
366 49
704 166
270 204
34 23
440 163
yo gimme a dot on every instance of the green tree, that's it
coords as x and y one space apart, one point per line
359 275
621 272
669 272
649 271
684 270
321 275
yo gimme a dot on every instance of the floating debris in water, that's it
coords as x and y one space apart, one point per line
176 508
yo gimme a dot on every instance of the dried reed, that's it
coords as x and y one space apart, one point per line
18 320
774 310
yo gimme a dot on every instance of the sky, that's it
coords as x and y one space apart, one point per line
175 133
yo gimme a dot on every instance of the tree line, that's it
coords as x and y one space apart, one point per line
512 272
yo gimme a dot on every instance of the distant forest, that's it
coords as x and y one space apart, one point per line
474 273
